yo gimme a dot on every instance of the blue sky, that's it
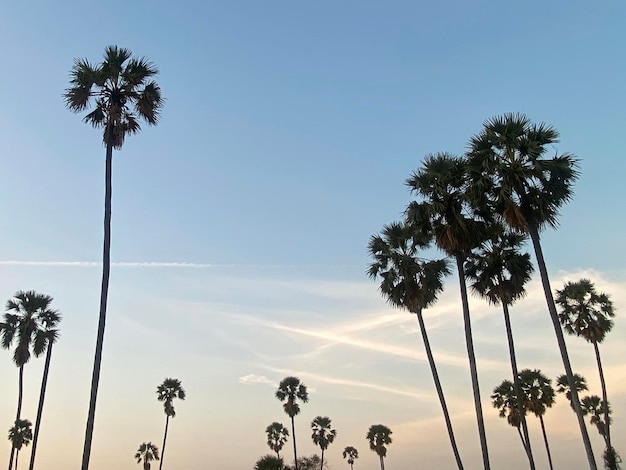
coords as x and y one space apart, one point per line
288 131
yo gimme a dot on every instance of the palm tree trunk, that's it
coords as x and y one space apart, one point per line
442 400
545 281
17 454
604 397
322 464
167 423
293 433
42 396
382 463
518 387
472 362
545 440
104 292
20 395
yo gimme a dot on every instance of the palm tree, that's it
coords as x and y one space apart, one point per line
269 462
411 283
446 213
114 85
167 392
379 436
563 385
538 395
505 400
20 435
587 313
147 452
351 454
23 323
289 390
499 272
323 435
277 435
510 175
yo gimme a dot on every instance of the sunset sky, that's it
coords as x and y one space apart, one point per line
241 222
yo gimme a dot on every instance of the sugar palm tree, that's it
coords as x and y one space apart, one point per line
323 435
588 314
123 92
379 436
446 213
147 452
505 400
499 271
20 435
290 390
351 454
277 435
414 284
510 174
23 324
563 385
169 390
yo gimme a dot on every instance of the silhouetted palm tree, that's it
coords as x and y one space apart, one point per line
290 390
147 452
351 454
277 436
411 283
269 462
563 385
20 435
123 92
379 436
323 435
506 401
167 392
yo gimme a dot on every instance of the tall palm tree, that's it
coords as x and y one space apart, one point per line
538 395
411 283
379 436
147 452
290 390
446 213
505 400
510 174
123 92
277 435
499 271
20 435
351 454
167 392
323 435
587 313
23 324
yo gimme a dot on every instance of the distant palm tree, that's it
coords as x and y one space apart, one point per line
290 390
269 462
593 405
277 435
563 386
351 454
323 435
167 392
506 401
379 436
411 283
147 452
122 89
20 435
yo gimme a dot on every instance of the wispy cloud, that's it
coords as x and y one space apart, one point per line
156 264
256 379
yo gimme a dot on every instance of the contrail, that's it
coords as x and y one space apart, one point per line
161 264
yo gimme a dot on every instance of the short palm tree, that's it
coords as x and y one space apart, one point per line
505 400
510 174
147 452
379 436
414 284
446 213
588 314
289 391
269 462
277 435
20 435
563 385
123 92
169 390
323 435
351 454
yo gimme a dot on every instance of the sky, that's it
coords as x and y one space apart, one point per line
241 222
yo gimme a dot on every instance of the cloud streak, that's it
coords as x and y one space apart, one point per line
158 264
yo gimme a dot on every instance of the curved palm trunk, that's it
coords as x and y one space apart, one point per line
293 433
545 281
518 387
604 397
104 292
442 400
167 423
472 362
545 440
42 396
20 395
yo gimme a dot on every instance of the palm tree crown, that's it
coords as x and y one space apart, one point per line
167 392
289 390
21 434
505 399
379 436
147 452
323 434
277 436
351 454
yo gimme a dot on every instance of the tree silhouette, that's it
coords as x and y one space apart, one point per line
167 392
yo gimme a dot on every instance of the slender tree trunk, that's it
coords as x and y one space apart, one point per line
521 438
42 396
167 423
322 465
293 433
17 454
20 395
604 397
545 440
104 292
472 363
382 463
442 400
534 235
518 388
